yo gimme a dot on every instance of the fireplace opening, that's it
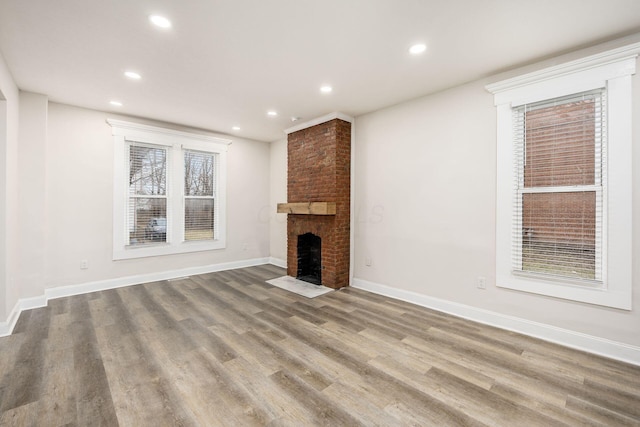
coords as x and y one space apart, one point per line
310 258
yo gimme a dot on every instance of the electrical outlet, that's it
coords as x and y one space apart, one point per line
245 246
481 282
367 261
84 264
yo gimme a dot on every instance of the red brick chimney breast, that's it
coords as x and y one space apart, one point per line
319 170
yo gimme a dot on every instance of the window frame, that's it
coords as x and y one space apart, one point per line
611 70
176 142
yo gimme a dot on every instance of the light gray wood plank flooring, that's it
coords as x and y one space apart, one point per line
227 349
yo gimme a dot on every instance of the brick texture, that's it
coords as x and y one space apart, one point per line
320 171
560 151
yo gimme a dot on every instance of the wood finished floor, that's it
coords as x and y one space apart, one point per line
227 349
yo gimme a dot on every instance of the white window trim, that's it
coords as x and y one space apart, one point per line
612 70
175 141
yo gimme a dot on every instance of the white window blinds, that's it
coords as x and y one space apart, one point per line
560 150
147 193
200 187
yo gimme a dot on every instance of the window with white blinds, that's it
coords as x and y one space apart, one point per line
199 195
147 194
169 191
560 163
563 179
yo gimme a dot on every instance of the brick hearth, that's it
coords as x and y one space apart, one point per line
319 170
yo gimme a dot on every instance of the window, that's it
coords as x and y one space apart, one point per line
563 215
169 191
146 194
199 195
559 150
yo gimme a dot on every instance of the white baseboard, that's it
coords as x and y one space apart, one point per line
278 262
6 328
592 344
23 304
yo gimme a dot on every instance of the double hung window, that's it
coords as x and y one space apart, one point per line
147 193
563 211
169 191
559 159
199 195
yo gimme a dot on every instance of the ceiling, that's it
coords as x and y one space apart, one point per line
225 63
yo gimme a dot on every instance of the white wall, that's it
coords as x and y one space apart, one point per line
278 224
32 218
9 114
425 202
79 194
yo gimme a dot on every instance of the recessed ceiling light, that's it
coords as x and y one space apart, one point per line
160 21
132 75
236 128
272 113
326 89
417 49
116 103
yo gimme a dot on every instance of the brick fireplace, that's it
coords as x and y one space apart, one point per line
318 205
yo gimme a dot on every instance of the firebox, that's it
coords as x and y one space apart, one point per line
310 258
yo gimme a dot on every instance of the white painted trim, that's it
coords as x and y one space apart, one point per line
278 262
6 328
23 304
589 343
130 129
352 205
600 59
317 121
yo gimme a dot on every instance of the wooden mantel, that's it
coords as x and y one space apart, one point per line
308 208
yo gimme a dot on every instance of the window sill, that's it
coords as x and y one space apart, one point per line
565 290
167 249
